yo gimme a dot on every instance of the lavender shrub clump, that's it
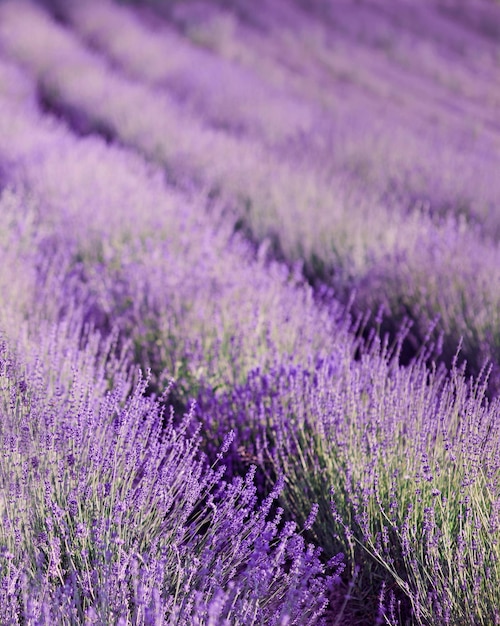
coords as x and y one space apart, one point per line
170 541
111 516
110 512
243 253
412 461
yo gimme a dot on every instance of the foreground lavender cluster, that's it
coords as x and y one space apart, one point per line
110 515
201 421
110 512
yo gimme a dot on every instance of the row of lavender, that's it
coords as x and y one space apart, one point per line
421 251
109 515
110 512
400 466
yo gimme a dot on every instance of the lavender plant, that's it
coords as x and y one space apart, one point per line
158 285
110 515
403 466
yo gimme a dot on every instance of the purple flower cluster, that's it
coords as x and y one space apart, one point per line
413 470
111 515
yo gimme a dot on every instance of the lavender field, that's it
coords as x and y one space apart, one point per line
250 312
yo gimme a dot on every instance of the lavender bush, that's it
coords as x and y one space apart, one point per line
403 465
158 286
108 515
109 511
